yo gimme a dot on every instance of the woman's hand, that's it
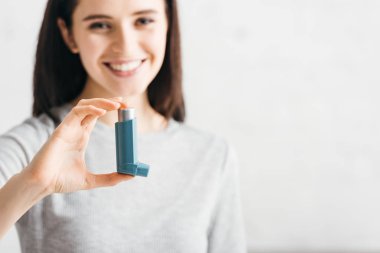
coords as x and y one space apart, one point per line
60 166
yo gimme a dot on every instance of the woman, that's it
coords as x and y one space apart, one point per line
94 57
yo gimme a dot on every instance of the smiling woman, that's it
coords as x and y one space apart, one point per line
93 58
125 48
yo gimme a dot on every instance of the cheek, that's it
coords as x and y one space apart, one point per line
158 44
90 50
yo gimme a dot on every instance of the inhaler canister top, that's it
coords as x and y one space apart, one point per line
126 114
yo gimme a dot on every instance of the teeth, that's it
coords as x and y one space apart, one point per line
126 66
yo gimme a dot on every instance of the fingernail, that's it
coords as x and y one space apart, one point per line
123 105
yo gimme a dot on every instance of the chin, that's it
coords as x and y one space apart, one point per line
129 91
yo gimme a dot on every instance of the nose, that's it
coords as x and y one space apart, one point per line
125 41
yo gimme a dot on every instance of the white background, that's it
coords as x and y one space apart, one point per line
293 85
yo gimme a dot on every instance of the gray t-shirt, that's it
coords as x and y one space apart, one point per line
189 203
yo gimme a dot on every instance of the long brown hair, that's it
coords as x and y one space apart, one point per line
59 76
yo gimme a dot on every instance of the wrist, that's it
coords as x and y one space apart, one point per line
35 185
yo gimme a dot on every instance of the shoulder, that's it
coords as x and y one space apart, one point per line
23 140
201 137
31 128
19 144
206 145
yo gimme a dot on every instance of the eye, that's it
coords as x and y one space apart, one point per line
144 21
100 26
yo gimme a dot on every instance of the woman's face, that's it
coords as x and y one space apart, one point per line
121 43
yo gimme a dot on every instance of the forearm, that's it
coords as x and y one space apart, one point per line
17 196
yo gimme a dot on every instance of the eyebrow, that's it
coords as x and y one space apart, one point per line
96 16
150 11
102 16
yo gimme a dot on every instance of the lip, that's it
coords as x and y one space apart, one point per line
128 73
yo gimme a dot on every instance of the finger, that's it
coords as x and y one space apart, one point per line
104 103
105 180
120 100
89 121
123 105
78 113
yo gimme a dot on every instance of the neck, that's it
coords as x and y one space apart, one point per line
148 119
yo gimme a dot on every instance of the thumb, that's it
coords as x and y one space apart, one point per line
105 180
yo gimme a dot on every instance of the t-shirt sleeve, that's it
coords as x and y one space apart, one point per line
19 145
227 233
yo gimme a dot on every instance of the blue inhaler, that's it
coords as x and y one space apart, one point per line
126 145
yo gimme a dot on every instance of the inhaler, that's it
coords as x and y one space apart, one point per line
126 145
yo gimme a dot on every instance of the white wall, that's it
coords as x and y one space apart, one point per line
294 85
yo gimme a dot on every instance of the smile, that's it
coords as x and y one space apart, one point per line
124 68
